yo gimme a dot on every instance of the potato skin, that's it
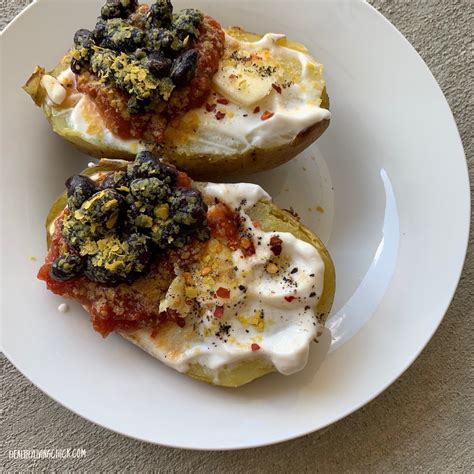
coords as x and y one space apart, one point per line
271 218
198 166
212 167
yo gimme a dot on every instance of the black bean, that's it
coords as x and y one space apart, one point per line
83 38
139 249
164 40
125 263
79 189
111 9
138 218
122 37
77 233
160 14
145 162
184 67
99 31
167 173
187 207
101 210
77 65
115 179
129 5
146 165
66 267
158 64
168 235
149 190
187 22
118 9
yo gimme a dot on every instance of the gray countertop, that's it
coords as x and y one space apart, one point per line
424 421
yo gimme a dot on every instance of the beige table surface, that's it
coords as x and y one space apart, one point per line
423 422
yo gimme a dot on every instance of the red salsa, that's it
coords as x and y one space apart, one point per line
112 103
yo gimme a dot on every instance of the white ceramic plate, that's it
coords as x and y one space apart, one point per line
390 174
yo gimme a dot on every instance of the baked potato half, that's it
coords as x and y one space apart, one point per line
267 102
252 353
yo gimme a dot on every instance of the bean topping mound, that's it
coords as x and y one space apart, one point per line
114 227
144 65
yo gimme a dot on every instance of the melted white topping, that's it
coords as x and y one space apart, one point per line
267 315
80 121
295 108
231 194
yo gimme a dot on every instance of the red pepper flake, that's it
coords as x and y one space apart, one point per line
223 292
256 110
181 322
275 245
245 243
267 115
183 180
248 249
277 87
233 76
222 101
219 311
256 224
210 107
290 298
255 347
220 115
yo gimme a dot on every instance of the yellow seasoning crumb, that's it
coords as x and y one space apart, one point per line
191 292
162 211
271 268
310 210
33 259
320 209
243 320
206 270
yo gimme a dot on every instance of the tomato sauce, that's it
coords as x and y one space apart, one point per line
210 47
112 102
128 307
225 225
